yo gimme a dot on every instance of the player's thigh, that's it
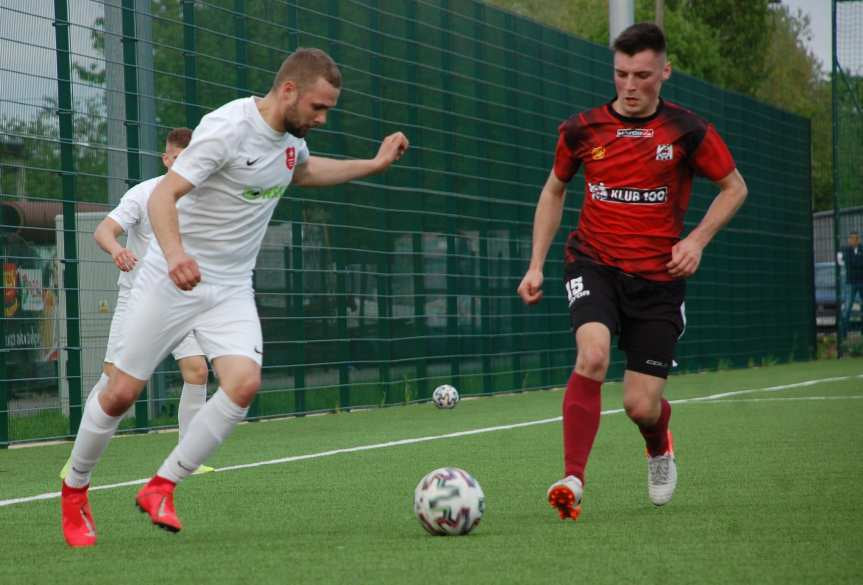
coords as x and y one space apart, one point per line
653 321
188 347
115 332
231 327
591 296
159 316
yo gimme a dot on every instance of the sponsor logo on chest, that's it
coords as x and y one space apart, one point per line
631 195
635 132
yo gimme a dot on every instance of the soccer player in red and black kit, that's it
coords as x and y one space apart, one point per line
626 265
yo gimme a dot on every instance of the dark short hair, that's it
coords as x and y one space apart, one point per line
854 233
179 137
640 37
304 66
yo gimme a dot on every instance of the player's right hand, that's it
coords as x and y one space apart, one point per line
124 259
391 149
530 289
184 271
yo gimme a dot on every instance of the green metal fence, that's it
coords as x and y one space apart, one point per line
847 92
375 292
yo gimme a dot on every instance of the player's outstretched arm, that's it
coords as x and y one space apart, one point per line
106 236
546 221
322 172
686 254
182 268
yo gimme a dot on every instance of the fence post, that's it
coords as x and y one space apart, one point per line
70 230
834 83
193 114
297 309
130 84
4 395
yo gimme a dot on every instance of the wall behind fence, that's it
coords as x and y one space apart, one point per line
375 292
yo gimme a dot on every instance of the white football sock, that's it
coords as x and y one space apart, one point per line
205 433
192 399
97 387
97 428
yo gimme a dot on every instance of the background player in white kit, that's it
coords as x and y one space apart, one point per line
130 216
209 215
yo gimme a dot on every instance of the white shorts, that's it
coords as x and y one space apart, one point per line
224 320
188 347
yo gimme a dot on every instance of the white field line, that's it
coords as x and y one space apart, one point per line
712 398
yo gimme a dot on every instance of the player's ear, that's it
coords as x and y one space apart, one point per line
288 91
666 70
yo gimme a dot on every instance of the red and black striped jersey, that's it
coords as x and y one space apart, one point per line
638 181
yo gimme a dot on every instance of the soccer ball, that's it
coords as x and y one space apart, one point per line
445 396
448 501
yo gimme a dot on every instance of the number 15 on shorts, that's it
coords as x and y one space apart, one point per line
575 289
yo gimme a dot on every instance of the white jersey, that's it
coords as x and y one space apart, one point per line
131 214
240 167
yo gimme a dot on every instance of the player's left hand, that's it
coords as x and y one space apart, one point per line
392 148
685 258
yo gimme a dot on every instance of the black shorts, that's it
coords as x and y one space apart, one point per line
648 316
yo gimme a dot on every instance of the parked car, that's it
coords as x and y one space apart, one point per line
826 305
825 294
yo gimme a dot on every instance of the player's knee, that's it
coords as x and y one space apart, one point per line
592 362
640 409
118 397
246 388
195 371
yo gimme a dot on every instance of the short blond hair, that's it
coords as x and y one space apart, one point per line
304 66
179 137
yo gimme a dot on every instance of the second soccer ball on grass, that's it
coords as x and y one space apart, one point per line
445 396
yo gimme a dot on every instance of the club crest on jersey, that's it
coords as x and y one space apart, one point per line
598 153
290 158
665 152
635 132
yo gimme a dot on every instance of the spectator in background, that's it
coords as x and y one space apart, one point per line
851 258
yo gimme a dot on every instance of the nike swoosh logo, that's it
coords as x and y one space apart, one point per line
91 530
161 511
190 470
258 351
251 162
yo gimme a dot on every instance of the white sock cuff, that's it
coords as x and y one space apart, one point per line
199 387
99 418
230 409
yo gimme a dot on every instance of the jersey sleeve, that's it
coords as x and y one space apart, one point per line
303 153
129 211
711 158
566 163
207 152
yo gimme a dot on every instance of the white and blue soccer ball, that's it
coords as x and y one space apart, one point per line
445 396
449 501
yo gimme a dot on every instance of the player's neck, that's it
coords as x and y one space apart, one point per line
268 108
648 112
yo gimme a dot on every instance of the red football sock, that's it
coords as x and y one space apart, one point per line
656 436
582 404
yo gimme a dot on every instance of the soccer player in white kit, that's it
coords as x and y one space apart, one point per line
130 216
209 214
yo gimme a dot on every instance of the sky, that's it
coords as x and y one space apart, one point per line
819 12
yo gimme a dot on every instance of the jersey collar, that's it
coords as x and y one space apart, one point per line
631 120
